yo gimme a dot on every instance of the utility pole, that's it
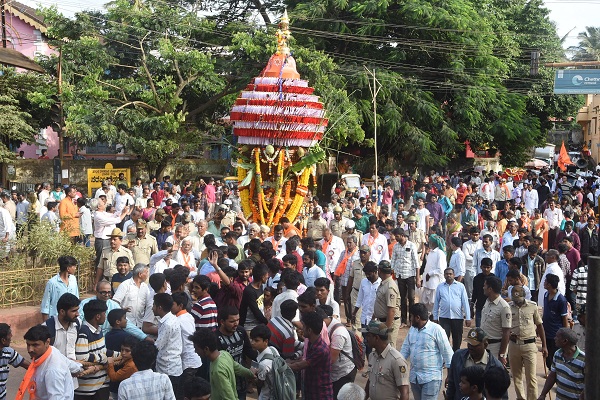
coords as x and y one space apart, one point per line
3 12
592 308
374 89
61 109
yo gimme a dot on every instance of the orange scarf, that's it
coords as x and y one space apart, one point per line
372 239
326 245
27 385
341 269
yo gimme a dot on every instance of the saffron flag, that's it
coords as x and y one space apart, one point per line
563 158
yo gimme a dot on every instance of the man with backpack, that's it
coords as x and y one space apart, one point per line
343 369
279 381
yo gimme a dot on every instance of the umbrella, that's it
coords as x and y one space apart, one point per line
536 163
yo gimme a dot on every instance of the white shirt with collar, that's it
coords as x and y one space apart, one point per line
129 295
333 251
189 358
552 268
169 345
366 299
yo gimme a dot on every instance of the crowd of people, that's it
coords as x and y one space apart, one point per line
193 300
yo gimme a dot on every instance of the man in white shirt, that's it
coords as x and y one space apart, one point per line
190 361
168 342
554 216
311 271
7 228
485 252
552 267
132 295
366 294
377 243
469 248
530 196
123 198
332 246
423 214
323 298
510 236
434 271
44 193
278 241
458 260
342 366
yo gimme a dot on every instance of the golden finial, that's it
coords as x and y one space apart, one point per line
283 34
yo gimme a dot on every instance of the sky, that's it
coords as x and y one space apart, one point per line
567 14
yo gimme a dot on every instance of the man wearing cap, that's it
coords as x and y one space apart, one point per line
476 354
377 243
143 246
522 349
387 301
107 266
338 223
350 230
388 370
406 265
355 278
316 224
416 236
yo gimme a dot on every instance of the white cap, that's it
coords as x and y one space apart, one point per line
350 224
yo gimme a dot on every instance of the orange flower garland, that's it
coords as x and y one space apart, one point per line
301 192
278 188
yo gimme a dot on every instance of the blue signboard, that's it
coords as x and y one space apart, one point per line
577 81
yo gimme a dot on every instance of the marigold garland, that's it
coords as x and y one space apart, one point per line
301 191
278 188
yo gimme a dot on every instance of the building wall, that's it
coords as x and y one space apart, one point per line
588 117
31 42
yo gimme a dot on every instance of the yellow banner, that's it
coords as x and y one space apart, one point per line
97 175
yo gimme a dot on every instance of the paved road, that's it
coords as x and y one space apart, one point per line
16 375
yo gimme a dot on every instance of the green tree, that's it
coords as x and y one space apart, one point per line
21 117
588 48
156 78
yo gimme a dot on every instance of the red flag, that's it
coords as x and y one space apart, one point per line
563 158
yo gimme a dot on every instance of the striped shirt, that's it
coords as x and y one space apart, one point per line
569 374
283 338
91 347
8 357
204 312
579 284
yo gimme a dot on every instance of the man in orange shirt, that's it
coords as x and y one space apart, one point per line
69 213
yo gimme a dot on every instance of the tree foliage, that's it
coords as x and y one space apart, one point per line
157 76
21 117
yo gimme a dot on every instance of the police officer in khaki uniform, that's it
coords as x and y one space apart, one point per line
315 225
522 349
338 223
355 278
107 266
388 370
143 246
387 301
496 318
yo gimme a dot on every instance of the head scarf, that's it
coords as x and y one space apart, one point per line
438 241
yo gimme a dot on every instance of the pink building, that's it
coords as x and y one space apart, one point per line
26 33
